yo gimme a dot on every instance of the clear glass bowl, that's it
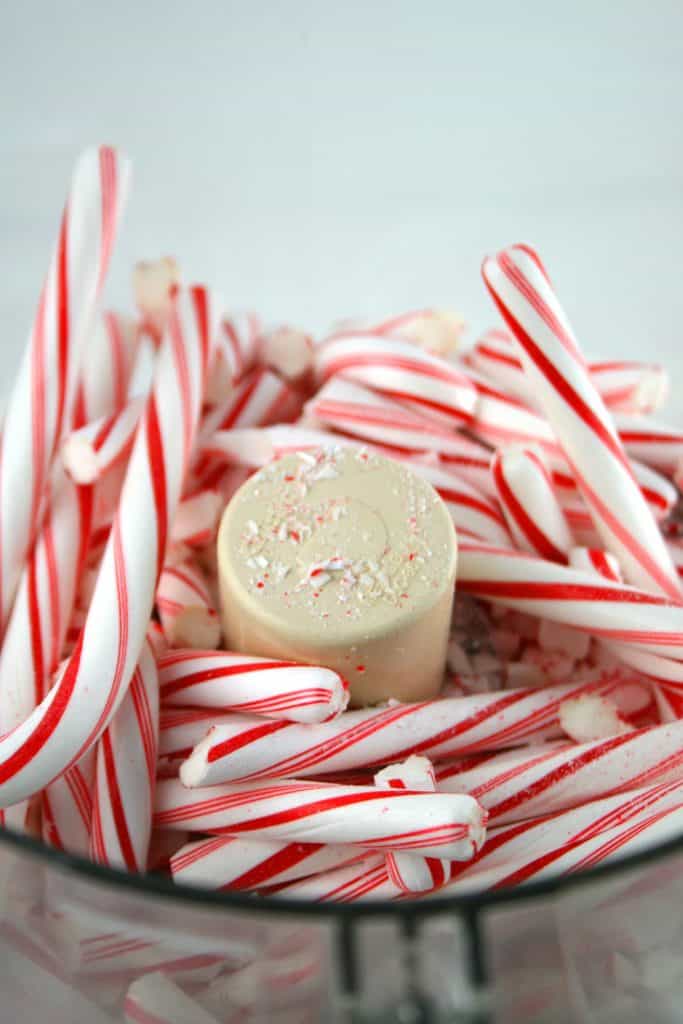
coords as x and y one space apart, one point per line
82 944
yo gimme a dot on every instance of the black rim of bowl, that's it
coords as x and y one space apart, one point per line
162 887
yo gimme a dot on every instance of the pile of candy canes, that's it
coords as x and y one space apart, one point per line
128 736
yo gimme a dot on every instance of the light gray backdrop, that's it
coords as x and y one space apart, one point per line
320 159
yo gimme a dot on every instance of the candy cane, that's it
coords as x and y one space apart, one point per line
186 607
91 451
144 367
349 407
54 994
624 386
538 587
502 420
436 330
431 824
659 493
657 444
40 404
260 399
553 844
355 410
230 863
242 682
466 460
494 358
365 879
105 374
631 387
401 371
408 872
676 552
245 747
288 351
523 784
472 511
236 352
37 627
666 673
85 696
530 505
126 773
280 984
67 805
595 560
521 289
196 519
180 729
155 999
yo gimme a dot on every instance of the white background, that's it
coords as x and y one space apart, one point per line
319 159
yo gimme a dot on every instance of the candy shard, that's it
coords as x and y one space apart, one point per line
591 718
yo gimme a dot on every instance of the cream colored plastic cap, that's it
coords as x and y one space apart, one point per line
346 559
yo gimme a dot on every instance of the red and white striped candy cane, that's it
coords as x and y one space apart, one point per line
631 387
529 502
181 729
595 560
473 512
67 805
142 374
257 447
465 459
624 386
556 843
431 824
260 686
36 631
364 879
105 374
676 552
657 444
401 371
408 872
155 999
104 955
40 404
92 450
289 352
523 784
260 399
659 493
246 747
352 409
186 607
495 358
230 863
87 693
436 330
666 673
500 419
556 368
538 587
196 520
236 352
126 774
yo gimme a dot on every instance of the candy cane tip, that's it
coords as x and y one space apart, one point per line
79 460
194 769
